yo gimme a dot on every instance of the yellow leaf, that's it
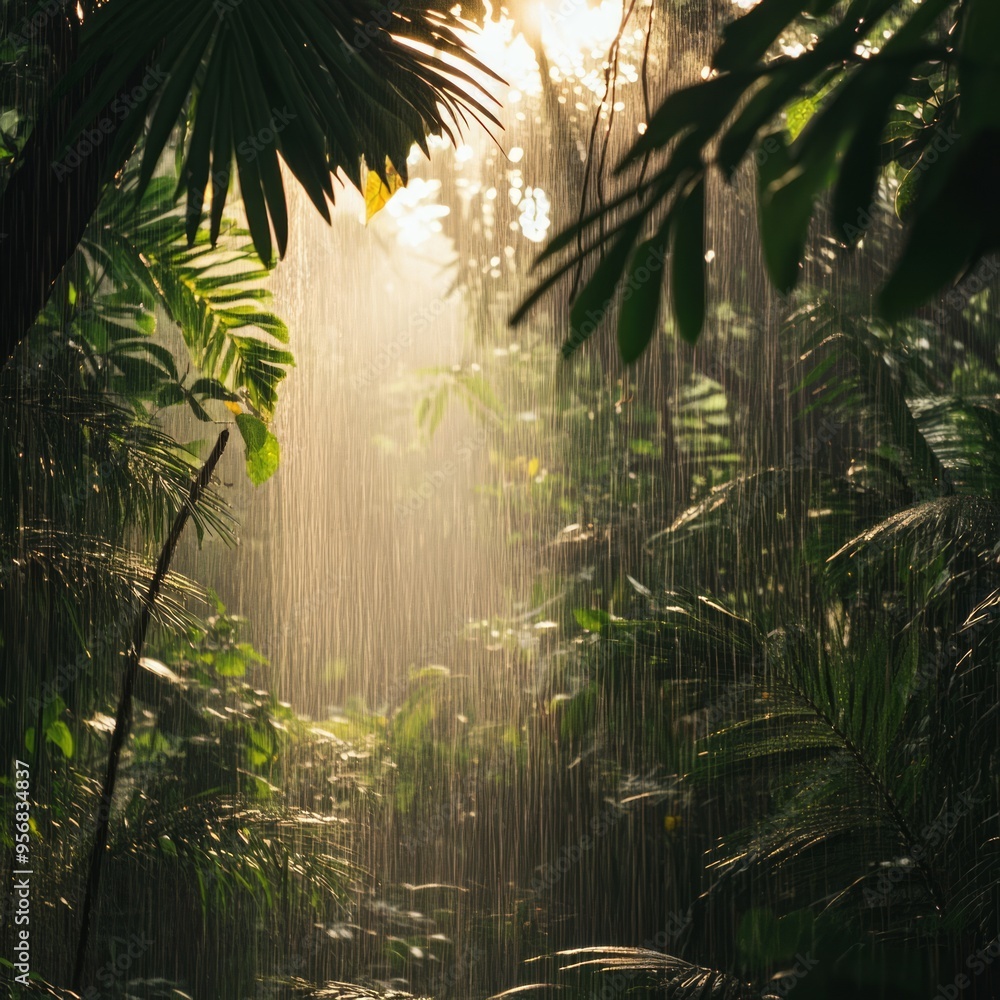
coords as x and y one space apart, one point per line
533 467
377 193
234 407
670 823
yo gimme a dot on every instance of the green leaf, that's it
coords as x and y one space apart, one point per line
52 711
210 388
263 451
264 462
859 169
906 193
747 39
595 298
230 663
167 846
948 234
251 654
702 107
641 295
197 409
688 263
275 81
799 114
592 619
765 106
757 937
786 194
170 395
979 65
59 734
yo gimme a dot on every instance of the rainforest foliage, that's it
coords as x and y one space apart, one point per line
848 98
760 645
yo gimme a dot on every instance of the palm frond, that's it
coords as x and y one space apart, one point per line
102 467
649 971
354 991
227 848
131 262
320 87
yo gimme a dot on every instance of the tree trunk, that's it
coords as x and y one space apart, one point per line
51 198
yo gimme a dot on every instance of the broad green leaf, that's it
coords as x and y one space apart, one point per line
592 619
687 279
799 114
251 654
59 734
170 395
230 663
641 295
595 298
766 104
950 228
53 710
859 169
263 452
276 82
979 66
748 38
906 193
787 192
701 107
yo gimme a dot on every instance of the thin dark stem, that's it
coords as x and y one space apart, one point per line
646 104
124 713
609 80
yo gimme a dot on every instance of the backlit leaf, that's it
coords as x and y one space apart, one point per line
378 192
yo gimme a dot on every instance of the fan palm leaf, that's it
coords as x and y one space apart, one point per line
319 87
